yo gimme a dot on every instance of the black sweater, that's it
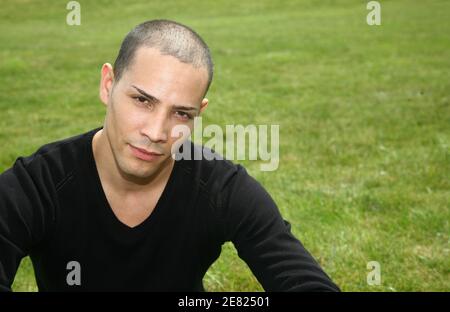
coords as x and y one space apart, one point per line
53 208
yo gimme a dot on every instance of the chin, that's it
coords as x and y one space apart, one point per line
139 173
140 169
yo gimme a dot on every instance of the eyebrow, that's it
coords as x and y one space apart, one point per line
153 99
145 94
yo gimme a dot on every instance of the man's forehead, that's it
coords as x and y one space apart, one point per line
164 75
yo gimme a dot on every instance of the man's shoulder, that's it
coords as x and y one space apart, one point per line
59 158
212 170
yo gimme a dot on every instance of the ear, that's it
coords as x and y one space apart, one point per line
203 105
106 83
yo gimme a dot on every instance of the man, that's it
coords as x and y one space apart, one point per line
112 210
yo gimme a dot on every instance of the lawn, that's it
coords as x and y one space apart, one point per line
364 115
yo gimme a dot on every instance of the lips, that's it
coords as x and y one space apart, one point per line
144 154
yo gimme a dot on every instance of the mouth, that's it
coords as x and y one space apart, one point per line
144 154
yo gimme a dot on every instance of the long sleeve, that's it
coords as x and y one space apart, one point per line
265 242
25 209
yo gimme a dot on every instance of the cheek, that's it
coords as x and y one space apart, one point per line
127 117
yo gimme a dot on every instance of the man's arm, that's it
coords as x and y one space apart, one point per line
24 209
265 242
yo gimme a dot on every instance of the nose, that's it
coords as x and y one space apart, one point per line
156 127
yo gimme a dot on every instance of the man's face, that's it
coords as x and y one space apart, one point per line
155 93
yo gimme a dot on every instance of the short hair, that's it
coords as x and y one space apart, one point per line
170 38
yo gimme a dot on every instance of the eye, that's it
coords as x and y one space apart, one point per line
183 115
141 99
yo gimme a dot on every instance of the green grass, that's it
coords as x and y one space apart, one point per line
363 111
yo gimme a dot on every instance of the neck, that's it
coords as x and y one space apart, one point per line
123 183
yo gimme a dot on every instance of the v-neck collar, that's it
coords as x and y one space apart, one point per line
105 210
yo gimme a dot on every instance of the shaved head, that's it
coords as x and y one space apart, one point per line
168 37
